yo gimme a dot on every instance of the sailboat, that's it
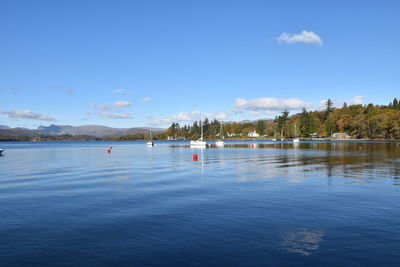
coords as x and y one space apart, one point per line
296 138
199 142
150 141
220 142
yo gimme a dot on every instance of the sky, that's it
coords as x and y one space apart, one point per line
150 63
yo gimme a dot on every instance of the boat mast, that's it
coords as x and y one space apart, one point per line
295 131
201 126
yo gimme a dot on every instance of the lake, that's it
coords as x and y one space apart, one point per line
268 204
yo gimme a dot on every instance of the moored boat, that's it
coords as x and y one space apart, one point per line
199 142
220 142
150 141
295 139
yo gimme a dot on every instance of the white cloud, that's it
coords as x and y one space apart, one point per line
120 90
111 107
303 37
146 99
123 104
356 100
184 117
114 116
269 105
28 114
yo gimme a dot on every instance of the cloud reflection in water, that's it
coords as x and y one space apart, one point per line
302 241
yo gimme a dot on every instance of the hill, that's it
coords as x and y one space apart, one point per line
88 130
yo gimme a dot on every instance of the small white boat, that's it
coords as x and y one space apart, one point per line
295 139
197 143
274 139
150 141
200 142
220 142
1 150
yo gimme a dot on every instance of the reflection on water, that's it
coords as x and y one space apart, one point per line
302 241
361 161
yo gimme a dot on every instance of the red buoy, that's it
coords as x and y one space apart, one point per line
252 145
195 157
109 151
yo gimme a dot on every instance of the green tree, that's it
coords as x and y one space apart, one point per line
260 128
282 119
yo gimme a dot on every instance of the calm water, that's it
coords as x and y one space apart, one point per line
71 203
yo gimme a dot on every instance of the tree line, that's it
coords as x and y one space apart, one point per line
359 121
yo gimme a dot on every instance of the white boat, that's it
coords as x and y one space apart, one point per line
199 142
150 141
220 142
274 139
296 138
1 150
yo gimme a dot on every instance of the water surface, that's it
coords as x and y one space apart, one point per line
72 203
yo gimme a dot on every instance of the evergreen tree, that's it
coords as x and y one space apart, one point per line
329 105
329 108
260 128
282 119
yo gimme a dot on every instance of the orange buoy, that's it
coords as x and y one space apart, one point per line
195 157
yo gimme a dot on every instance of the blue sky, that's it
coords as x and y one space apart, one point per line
140 63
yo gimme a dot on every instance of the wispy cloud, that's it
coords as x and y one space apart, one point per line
146 99
27 114
114 116
63 89
112 107
356 100
122 104
184 117
119 91
303 37
269 105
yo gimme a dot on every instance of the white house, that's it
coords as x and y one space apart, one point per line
253 134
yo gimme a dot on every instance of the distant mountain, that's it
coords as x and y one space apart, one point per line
16 132
92 130
4 127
